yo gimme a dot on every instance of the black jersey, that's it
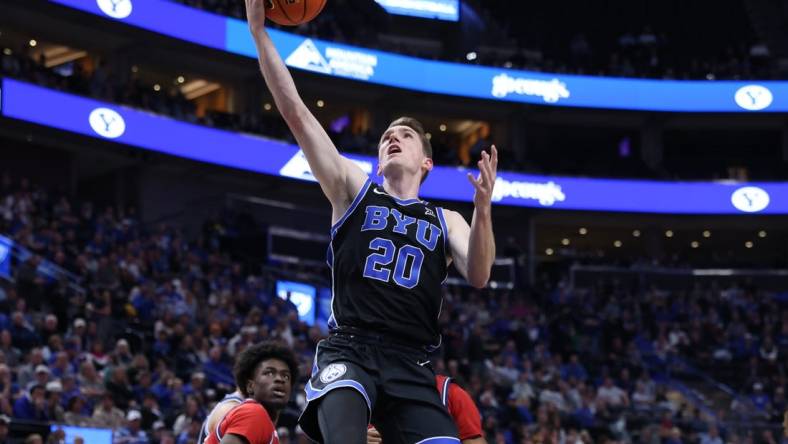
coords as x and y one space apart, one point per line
388 261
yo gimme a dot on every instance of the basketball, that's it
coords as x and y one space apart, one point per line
293 12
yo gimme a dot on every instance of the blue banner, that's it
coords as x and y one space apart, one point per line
456 79
6 245
142 129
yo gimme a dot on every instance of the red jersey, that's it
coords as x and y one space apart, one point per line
461 408
248 419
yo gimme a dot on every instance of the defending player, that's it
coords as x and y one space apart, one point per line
388 254
265 373
218 412
461 408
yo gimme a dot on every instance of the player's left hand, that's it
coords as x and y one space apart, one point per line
373 436
484 184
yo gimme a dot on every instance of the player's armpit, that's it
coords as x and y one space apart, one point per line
459 235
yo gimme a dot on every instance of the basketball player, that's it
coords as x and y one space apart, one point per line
265 373
461 408
388 254
217 413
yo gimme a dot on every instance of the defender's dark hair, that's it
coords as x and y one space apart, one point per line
249 359
416 126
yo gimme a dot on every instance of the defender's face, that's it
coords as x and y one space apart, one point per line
400 148
271 385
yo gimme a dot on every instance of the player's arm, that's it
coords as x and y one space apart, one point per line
465 415
234 439
338 176
217 415
473 247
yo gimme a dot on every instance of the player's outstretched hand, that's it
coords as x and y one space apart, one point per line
373 436
255 14
484 184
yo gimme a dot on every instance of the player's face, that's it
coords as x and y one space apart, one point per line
271 385
400 148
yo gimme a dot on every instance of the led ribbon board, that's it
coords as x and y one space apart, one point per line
434 9
124 125
383 68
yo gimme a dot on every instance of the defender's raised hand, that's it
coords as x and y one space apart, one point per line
484 184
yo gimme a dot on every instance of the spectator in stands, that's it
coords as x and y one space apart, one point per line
107 415
612 395
22 333
89 381
151 413
132 433
32 404
118 386
54 408
217 371
12 354
191 414
75 413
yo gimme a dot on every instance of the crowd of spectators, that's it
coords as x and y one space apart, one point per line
145 343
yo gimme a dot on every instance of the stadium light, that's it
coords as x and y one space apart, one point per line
471 56
762 234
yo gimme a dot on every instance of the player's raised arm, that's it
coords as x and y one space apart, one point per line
339 177
473 247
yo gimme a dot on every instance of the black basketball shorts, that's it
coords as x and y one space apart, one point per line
396 381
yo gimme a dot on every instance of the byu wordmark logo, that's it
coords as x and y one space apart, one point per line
753 97
107 123
332 373
750 199
118 9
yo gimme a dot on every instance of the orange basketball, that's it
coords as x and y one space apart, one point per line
293 12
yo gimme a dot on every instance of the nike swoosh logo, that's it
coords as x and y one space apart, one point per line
377 191
422 364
